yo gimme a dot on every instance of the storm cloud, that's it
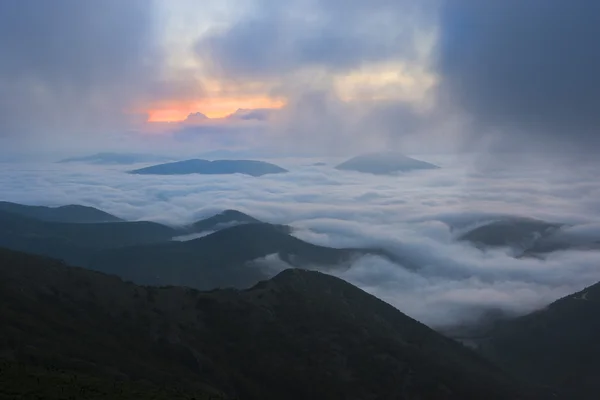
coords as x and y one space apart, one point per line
72 66
525 72
277 38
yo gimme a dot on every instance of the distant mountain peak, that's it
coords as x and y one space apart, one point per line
224 219
217 167
384 163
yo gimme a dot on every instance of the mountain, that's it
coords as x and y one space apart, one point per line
557 346
509 232
70 213
205 167
76 242
301 335
222 259
222 220
93 235
529 237
144 252
117 158
384 163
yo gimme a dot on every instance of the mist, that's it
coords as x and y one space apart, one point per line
415 216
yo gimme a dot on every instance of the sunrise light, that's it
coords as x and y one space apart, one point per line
212 108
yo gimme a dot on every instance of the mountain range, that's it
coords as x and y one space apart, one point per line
258 331
70 213
300 335
146 253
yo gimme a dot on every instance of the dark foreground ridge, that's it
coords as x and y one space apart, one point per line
217 167
301 335
557 346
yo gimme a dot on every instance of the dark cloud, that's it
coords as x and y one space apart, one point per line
300 49
526 71
71 64
277 38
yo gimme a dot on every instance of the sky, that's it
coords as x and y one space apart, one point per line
327 77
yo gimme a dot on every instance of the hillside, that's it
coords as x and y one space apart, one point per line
70 213
220 259
16 228
529 237
384 163
144 252
217 167
557 346
224 219
301 335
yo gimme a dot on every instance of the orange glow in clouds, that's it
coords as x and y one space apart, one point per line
212 108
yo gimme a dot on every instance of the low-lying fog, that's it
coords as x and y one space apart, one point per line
410 214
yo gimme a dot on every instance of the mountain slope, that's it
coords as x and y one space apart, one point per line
14 227
509 232
219 259
529 237
384 163
70 213
224 219
144 252
199 166
558 346
300 335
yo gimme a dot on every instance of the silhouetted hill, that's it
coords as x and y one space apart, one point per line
70 213
222 220
384 163
198 166
221 259
117 158
527 237
76 242
509 232
302 335
144 252
92 235
558 346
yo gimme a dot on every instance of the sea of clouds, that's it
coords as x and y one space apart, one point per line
416 215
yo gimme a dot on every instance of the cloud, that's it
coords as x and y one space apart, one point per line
525 72
354 74
259 114
275 39
408 215
66 62
78 73
85 76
